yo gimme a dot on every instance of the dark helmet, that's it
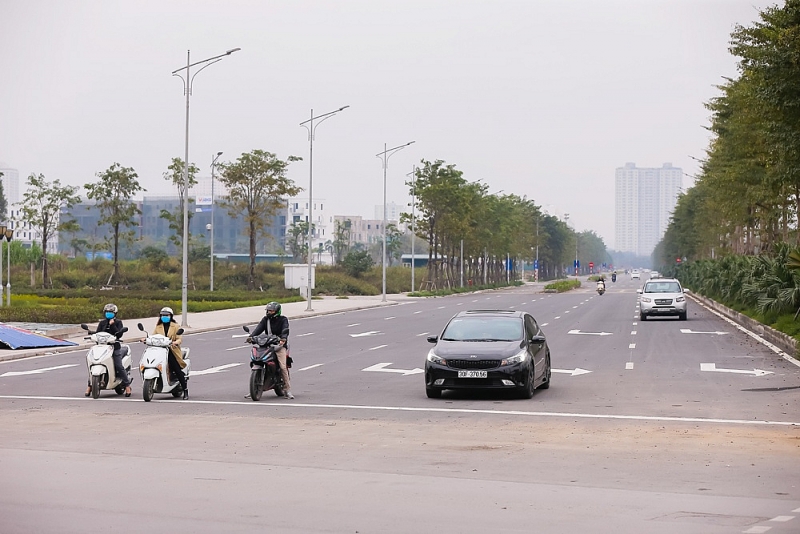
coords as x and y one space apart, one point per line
273 309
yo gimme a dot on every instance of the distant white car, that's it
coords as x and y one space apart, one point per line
635 275
654 274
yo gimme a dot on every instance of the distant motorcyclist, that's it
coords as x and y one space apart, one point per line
276 324
614 276
112 325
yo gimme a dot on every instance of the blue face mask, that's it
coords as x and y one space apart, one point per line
165 318
109 315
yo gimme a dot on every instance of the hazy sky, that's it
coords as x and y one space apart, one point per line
544 99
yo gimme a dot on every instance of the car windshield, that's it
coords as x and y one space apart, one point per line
662 287
483 329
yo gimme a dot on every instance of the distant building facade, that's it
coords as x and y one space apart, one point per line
644 201
393 212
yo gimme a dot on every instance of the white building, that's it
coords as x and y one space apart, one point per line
10 184
393 212
323 228
645 200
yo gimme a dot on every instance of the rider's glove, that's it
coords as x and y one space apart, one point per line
249 339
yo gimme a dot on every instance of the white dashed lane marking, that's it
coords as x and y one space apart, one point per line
629 366
632 346
378 347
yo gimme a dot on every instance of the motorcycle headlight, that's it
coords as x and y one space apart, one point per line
519 357
433 358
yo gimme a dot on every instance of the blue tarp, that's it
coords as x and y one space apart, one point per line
17 338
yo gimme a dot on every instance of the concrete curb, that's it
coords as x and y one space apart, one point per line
782 341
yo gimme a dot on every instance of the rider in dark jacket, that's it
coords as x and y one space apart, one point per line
278 326
112 325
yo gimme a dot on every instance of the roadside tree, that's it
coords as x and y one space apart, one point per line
42 204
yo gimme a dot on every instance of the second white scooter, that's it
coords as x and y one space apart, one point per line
153 366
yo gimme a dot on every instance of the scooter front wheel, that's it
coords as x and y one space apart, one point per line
95 386
148 388
256 384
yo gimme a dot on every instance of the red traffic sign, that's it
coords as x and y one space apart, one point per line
591 264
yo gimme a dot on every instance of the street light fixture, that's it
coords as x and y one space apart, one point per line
385 155
311 127
213 166
187 88
413 221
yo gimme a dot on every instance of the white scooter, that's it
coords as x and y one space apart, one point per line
153 367
100 362
601 287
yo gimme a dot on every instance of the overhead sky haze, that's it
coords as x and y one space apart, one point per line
543 99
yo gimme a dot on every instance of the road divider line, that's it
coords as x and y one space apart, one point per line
213 370
416 312
629 366
38 371
632 346
378 347
310 367
633 332
304 335
354 324
284 405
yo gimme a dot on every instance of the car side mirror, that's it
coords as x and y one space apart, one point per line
433 339
639 291
538 338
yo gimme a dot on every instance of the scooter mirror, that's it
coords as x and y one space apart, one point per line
180 331
85 326
246 329
140 327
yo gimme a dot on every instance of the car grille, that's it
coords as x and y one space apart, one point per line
473 364
663 302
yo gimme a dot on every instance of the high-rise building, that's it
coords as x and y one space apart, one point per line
10 184
645 199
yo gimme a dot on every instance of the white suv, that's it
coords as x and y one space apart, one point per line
635 275
662 296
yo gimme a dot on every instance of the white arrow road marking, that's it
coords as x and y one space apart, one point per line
572 372
37 371
578 332
381 368
688 331
311 367
713 367
214 370
363 334
378 347
303 335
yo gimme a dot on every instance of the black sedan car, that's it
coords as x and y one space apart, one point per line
496 349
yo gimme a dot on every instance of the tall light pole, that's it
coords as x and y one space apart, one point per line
413 221
2 237
311 127
385 155
9 236
187 88
213 166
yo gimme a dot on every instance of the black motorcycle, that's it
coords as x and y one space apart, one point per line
265 371
613 277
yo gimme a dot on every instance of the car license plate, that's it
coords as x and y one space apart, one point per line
472 374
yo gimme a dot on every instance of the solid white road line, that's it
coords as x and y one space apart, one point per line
282 404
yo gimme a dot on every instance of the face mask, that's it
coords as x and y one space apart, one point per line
109 315
165 318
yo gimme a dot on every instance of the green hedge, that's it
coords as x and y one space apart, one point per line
564 285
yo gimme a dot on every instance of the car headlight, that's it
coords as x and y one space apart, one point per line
646 299
433 358
680 299
519 357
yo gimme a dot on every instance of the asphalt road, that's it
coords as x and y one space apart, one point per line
655 426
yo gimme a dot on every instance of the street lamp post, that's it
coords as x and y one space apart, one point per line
413 222
385 155
187 86
311 127
9 236
213 166
2 236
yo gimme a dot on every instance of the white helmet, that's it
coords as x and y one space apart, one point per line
110 308
166 310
